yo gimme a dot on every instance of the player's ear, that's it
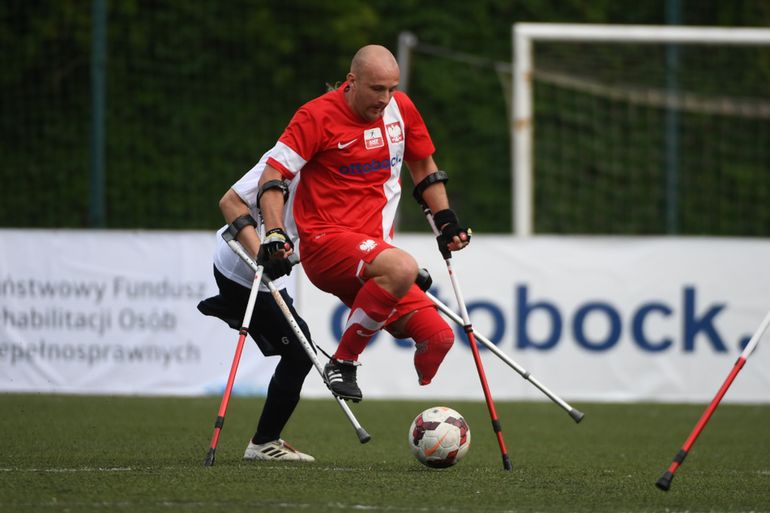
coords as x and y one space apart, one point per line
351 78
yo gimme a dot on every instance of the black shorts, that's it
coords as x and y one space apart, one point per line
268 327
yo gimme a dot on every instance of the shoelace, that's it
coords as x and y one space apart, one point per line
348 372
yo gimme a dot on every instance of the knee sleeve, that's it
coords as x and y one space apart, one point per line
433 339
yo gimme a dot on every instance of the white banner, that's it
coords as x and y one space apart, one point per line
115 312
641 319
608 319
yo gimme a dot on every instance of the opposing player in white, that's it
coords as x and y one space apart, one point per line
268 326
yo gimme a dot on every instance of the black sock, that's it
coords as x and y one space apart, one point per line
279 405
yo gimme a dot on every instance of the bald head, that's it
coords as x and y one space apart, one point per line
372 80
373 57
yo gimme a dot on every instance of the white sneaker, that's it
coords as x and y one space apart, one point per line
275 450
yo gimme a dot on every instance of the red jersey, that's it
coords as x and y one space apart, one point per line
350 167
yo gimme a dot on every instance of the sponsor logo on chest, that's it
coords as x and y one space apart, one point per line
373 138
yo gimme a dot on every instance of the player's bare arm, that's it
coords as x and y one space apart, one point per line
435 196
271 203
233 207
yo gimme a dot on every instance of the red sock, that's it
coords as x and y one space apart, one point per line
371 308
433 339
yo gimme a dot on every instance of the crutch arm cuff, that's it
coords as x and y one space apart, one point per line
239 223
273 184
419 189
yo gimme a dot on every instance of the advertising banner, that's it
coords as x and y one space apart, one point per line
115 312
605 319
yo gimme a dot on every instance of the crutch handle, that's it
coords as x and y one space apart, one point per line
423 280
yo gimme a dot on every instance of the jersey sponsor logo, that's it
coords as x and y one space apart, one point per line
395 133
342 146
373 138
367 245
359 168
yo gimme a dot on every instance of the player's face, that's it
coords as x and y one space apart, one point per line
371 92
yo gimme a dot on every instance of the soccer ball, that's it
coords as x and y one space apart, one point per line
439 437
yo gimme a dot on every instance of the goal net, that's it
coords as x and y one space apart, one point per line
641 130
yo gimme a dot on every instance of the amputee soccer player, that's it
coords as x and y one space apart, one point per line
268 327
347 147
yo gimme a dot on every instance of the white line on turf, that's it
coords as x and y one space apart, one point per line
206 506
291 466
83 469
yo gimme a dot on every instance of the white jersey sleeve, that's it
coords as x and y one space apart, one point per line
225 260
248 185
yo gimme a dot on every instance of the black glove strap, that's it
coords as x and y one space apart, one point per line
278 231
272 247
448 224
444 217
239 223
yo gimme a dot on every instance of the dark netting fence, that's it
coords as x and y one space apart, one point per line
194 93
627 143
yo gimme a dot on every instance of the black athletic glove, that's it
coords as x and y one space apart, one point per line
274 268
449 226
275 265
274 242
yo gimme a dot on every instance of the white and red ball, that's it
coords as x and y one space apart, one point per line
439 437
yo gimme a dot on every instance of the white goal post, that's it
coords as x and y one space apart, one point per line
526 34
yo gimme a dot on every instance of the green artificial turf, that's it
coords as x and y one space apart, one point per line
65 453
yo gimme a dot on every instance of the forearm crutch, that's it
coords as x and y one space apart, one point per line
236 246
219 423
472 342
664 481
576 415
